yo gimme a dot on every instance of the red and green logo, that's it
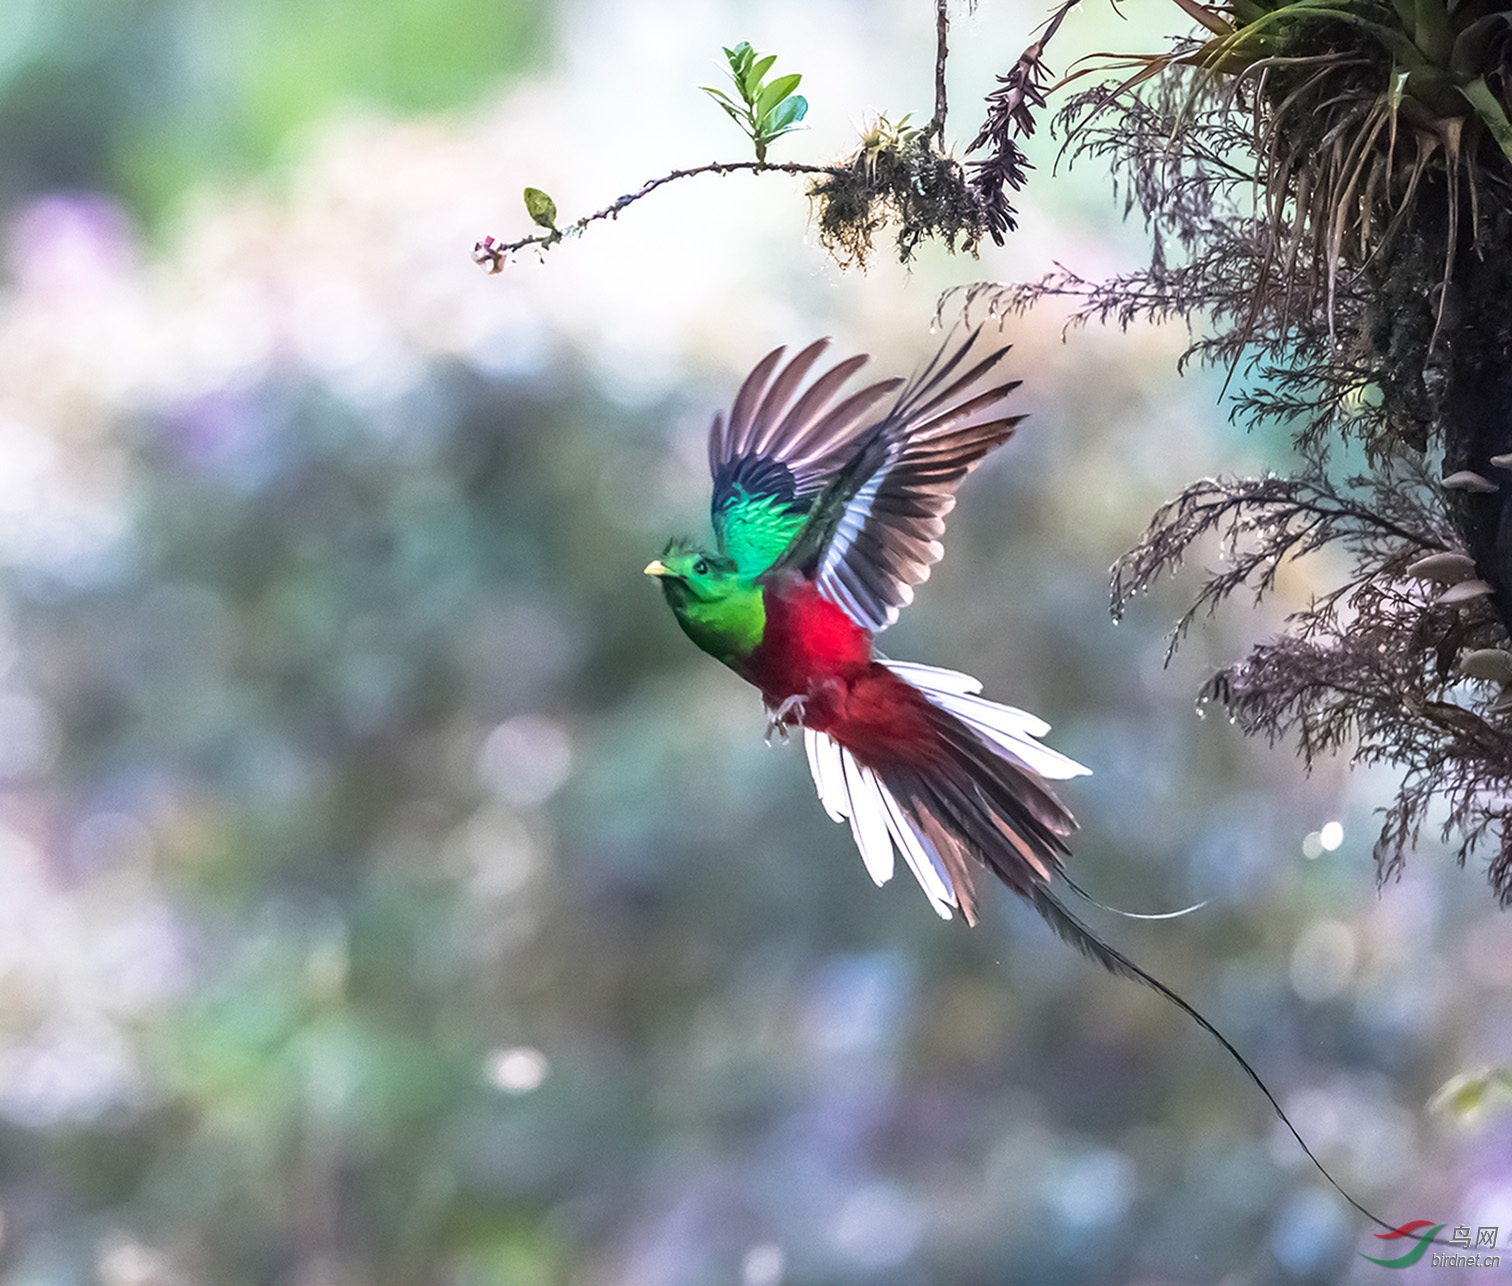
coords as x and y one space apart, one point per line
1421 1241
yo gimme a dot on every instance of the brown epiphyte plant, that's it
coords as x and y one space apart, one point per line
1328 188
1358 107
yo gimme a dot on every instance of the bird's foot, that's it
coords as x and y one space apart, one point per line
785 716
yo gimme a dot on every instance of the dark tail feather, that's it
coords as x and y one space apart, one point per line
983 801
978 810
1071 930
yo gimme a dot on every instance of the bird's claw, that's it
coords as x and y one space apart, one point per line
789 713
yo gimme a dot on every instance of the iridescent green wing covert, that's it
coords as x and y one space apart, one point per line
776 453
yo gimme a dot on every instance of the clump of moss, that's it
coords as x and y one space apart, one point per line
897 177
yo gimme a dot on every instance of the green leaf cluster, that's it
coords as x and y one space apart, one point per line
766 110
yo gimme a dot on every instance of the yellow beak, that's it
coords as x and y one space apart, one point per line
657 568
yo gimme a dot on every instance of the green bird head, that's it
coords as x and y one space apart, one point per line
689 574
716 608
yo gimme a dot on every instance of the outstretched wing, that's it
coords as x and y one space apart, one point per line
873 533
775 454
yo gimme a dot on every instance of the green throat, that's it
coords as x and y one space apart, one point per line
730 628
720 610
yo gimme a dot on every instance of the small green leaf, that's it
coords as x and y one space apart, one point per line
740 115
750 83
786 116
722 98
774 93
740 59
541 208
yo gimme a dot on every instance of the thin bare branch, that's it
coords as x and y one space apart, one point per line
493 254
936 127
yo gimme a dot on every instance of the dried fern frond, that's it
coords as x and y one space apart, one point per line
1263 522
1372 669
1010 116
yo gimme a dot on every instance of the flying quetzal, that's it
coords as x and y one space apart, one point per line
826 515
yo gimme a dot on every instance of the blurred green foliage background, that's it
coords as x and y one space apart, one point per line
389 894
149 97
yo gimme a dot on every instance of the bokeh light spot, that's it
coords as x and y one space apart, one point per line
526 759
1323 960
518 1069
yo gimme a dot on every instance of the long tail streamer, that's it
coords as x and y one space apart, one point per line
932 821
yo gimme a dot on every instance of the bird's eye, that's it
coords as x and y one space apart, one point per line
701 567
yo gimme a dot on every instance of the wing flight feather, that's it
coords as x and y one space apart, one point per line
812 479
